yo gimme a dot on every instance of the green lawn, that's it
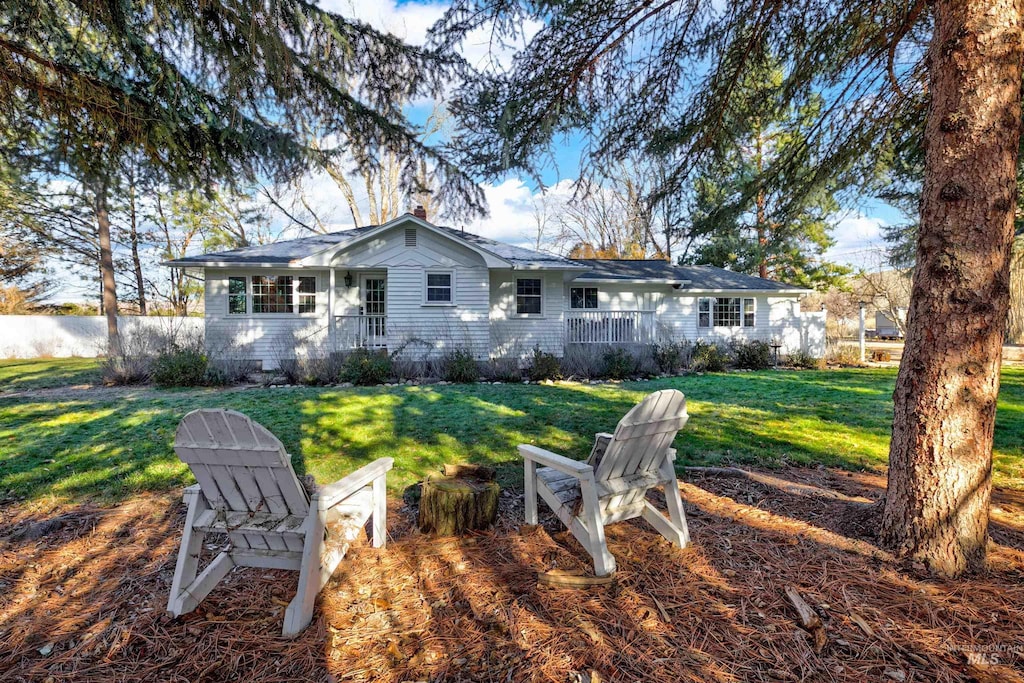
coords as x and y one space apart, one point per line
16 375
107 445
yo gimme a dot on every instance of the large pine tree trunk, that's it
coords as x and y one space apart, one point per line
107 269
940 460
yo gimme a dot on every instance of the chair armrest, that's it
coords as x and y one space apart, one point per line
671 455
603 435
190 491
561 463
332 494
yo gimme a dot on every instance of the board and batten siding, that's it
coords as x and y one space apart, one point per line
413 325
516 336
267 337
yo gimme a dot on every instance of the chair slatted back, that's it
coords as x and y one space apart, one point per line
643 436
240 466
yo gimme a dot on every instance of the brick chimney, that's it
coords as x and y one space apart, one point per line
420 212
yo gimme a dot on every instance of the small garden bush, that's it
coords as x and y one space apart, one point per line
459 366
365 367
672 356
707 357
543 366
315 370
802 359
753 355
619 364
583 361
504 370
845 355
180 367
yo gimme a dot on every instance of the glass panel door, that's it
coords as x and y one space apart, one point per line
374 311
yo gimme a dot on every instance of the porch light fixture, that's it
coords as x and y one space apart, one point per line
348 279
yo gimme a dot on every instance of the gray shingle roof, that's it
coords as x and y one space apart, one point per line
286 251
696 277
282 252
693 277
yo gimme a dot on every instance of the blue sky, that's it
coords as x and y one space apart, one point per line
857 233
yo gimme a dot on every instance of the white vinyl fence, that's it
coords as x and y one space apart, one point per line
64 336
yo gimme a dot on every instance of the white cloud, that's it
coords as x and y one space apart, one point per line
410 21
858 242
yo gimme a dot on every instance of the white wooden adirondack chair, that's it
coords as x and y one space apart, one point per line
612 485
248 490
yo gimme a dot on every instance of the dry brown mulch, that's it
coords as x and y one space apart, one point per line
83 589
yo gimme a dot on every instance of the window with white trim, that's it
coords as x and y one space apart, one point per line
529 293
440 287
583 297
274 294
704 312
748 313
305 294
725 311
237 299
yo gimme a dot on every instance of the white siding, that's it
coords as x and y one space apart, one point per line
512 335
460 325
775 317
267 337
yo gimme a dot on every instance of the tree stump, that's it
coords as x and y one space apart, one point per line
466 498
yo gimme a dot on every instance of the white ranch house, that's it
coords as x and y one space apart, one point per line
410 284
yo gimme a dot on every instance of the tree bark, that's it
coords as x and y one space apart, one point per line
940 460
762 218
107 268
136 262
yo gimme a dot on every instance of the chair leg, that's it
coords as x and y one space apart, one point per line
188 559
380 512
654 517
674 503
604 561
530 490
300 610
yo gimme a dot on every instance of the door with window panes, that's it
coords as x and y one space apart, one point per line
374 311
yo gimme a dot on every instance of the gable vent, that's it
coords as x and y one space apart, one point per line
410 237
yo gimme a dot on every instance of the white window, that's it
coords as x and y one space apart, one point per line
237 299
440 287
583 297
272 294
277 294
704 312
725 311
529 293
306 294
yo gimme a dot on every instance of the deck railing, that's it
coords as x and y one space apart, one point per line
355 331
609 327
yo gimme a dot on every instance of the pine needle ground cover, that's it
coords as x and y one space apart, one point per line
92 516
110 443
85 588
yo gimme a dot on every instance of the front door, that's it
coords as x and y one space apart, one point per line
374 311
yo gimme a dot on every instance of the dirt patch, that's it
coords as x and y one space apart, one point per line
83 600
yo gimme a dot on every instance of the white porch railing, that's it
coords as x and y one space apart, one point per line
355 331
609 327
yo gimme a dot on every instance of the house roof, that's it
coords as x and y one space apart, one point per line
707 278
290 252
305 250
